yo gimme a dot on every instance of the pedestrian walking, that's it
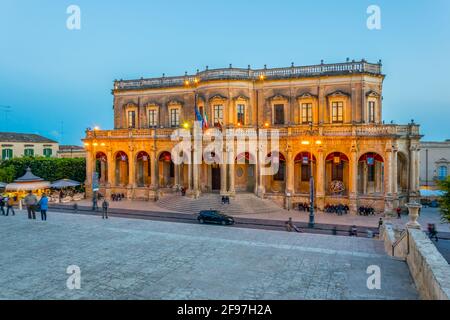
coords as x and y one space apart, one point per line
105 206
380 223
43 203
94 202
2 205
31 202
399 212
10 206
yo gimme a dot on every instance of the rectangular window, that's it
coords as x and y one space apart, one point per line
7 154
48 152
279 176
152 118
306 172
131 119
218 114
371 111
371 173
241 113
29 153
337 172
337 112
279 114
307 113
174 117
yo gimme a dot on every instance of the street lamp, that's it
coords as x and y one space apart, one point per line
310 142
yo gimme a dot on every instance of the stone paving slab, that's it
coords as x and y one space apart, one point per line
139 259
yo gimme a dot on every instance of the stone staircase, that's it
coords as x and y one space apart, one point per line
242 203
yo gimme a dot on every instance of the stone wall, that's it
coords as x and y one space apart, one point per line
429 269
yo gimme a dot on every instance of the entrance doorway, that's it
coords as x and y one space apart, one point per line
215 177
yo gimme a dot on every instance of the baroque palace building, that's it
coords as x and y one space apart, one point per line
329 116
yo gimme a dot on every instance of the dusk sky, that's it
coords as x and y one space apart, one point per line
58 81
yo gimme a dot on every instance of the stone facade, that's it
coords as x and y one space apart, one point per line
328 116
434 162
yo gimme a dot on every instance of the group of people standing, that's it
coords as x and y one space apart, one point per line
33 205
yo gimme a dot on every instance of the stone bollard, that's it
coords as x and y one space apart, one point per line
413 209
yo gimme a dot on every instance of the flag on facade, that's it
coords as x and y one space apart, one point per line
205 120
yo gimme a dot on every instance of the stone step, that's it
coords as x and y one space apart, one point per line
240 204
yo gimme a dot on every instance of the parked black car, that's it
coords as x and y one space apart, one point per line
214 216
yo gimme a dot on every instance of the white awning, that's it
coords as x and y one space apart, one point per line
27 186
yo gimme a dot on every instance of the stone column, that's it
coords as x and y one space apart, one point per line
153 171
89 172
176 175
289 172
111 173
196 178
223 178
131 174
394 172
354 180
320 180
231 165
413 172
388 172
260 163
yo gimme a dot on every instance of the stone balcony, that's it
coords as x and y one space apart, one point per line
353 67
342 130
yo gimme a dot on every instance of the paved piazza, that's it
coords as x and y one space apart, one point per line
139 259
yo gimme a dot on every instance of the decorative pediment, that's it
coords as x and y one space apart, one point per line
218 97
278 96
241 97
174 102
338 93
443 161
372 93
130 105
307 95
152 104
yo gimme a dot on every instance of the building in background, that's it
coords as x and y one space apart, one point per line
434 162
15 144
329 119
70 151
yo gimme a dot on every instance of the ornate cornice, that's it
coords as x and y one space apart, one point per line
241 97
307 95
174 102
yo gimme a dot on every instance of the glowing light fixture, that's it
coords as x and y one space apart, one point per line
305 143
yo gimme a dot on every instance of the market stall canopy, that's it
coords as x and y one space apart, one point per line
64 183
28 182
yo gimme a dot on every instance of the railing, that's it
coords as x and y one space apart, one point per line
249 74
397 242
287 131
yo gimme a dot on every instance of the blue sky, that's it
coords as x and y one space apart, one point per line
59 82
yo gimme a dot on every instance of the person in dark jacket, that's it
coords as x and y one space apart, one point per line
2 205
10 206
105 206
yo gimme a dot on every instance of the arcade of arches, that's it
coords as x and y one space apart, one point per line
383 179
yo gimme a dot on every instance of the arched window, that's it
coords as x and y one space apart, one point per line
443 172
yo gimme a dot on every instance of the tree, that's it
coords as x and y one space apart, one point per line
7 174
445 199
49 169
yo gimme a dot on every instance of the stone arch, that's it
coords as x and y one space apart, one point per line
276 183
402 172
143 169
121 161
370 174
101 167
245 172
337 174
303 162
